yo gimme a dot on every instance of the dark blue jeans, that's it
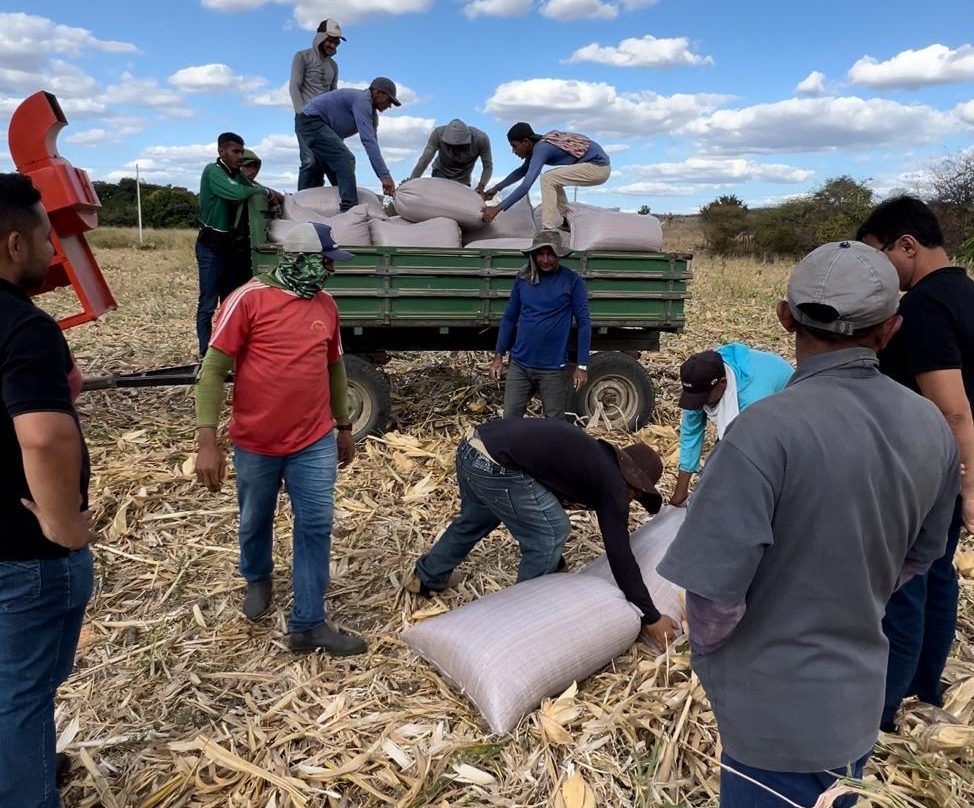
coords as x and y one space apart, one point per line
802 789
920 621
309 476
42 604
331 155
522 383
491 494
213 269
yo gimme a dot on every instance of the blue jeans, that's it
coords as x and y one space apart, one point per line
310 174
332 156
309 477
920 621
213 270
491 494
42 605
803 789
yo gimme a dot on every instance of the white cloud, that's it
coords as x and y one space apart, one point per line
651 189
912 69
616 148
597 107
27 41
141 92
278 97
579 10
308 13
497 8
820 124
645 52
813 84
965 112
720 171
59 77
211 78
105 137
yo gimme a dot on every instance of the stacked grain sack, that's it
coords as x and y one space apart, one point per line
595 228
321 205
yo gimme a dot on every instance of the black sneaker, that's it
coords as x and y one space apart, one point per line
62 769
258 600
328 639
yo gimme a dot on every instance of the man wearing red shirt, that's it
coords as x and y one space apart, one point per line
279 334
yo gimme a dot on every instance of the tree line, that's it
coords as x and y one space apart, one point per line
834 212
163 206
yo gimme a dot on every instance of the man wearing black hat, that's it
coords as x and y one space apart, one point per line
519 471
717 386
314 71
327 119
457 147
578 160
545 299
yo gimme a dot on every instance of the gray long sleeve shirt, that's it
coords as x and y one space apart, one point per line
456 162
805 517
311 74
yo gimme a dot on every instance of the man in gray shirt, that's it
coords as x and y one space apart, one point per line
313 72
818 503
457 147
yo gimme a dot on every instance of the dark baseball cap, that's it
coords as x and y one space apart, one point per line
641 468
387 86
699 375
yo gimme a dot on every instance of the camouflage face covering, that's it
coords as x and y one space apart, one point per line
305 274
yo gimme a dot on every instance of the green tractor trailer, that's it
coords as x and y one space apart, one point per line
395 299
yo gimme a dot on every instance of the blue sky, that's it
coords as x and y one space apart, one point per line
693 99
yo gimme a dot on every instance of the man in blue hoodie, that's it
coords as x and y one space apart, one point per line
717 385
545 299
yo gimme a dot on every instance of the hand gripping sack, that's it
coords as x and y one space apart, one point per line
434 197
516 222
440 232
595 229
509 650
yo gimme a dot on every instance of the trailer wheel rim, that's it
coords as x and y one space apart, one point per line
360 407
619 397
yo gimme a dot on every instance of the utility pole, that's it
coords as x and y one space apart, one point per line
138 201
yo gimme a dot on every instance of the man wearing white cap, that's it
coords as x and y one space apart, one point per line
327 119
314 71
817 504
457 147
280 336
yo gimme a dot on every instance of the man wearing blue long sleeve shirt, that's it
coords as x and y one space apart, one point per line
717 385
329 118
578 160
545 298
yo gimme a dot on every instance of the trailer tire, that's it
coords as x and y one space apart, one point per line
368 397
622 386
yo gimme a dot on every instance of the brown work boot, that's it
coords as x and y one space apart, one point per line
414 585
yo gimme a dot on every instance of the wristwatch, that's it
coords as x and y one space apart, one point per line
582 367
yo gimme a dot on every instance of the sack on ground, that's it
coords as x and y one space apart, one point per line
440 232
595 229
349 229
434 197
499 244
509 650
516 222
326 201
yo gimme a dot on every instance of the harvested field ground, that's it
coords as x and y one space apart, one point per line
179 701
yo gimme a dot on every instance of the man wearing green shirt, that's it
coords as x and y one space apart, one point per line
222 190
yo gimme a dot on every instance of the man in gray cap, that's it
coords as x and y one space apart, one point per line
327 119
547 297
818 503
280 336
457 148
314 71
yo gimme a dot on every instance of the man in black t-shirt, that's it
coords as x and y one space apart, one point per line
522 472
45 528
933 354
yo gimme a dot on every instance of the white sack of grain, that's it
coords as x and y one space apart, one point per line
516 222
349 229
440 232
499 244
649 544
595 229
434 197
509 650
326 201
572 206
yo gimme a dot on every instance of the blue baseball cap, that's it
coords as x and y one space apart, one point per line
314 237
